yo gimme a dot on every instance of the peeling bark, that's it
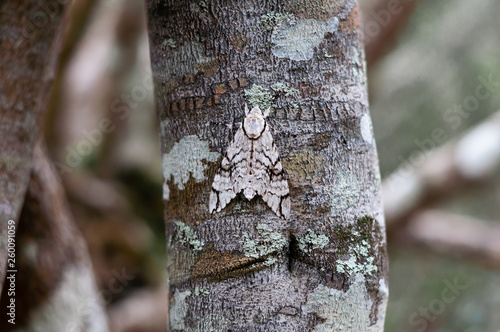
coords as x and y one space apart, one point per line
244 268
30 38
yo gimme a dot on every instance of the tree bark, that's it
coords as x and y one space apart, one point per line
244 268
30 38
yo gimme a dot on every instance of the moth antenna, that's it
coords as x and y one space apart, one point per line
246 109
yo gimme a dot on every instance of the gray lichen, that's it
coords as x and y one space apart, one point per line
366 128
296 39
185 235
312 241
269 243
259 96
178 310
345 192
185 160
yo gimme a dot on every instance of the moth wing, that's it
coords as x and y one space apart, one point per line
230 178
273 187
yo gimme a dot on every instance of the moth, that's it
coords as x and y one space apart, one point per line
252 165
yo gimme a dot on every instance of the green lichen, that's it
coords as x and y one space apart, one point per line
357 241
203 4
269 243
272 19
170 43
259 96
282 88
187 236
312 241
201 291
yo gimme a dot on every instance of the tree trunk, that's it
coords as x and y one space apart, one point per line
247 267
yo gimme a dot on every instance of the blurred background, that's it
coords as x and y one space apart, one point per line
434 83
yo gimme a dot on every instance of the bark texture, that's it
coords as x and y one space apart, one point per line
244 268
55 288
30 36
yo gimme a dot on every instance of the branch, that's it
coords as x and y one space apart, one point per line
384 21
458 236
28 58
443 172
55 288
145 310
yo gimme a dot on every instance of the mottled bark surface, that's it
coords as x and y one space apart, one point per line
244 268
30 35
54 285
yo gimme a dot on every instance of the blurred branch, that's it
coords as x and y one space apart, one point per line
99 194
443 172
56 289
79 17
143 311
30 43
384 21
457 236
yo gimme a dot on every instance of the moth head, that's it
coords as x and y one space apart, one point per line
254 122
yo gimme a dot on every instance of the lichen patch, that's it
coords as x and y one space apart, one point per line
178 310
185 159
366 129
268 245
185 235
259 96
342 311
296 38
345 192
312 241
184 59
